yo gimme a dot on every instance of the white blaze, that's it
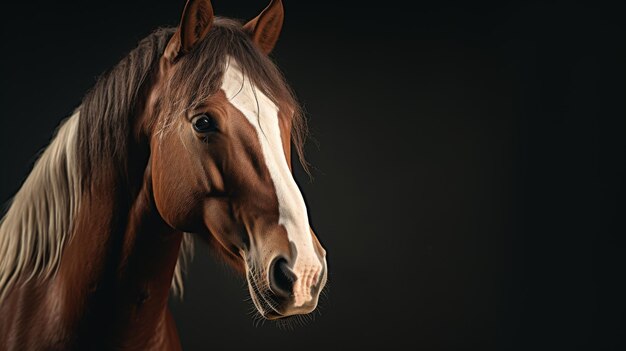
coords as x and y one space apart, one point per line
262 114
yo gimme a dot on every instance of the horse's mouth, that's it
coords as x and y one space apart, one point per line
262 299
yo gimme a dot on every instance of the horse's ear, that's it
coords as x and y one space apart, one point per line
194 25
265 28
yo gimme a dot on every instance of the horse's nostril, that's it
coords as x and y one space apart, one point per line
282 278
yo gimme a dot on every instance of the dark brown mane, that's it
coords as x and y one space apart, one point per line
107 110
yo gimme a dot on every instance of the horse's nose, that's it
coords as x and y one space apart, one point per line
296 287
282 278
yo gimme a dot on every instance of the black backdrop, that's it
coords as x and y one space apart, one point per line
469 178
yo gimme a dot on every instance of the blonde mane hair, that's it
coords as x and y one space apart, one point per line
38 223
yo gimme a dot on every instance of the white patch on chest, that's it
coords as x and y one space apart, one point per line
262 114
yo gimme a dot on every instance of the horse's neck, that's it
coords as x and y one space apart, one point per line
116 272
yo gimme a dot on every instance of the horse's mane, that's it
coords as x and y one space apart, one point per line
35 228
94 140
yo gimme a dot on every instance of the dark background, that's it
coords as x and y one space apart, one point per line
469 178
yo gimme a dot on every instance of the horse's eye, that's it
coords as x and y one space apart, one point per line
204 123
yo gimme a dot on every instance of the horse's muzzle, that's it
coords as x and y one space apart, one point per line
293 290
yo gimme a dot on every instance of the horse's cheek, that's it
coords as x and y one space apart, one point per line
174 198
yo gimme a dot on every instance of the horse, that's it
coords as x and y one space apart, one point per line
189 136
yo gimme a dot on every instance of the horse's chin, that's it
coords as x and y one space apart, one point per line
265 310
273 316
260 300
269 309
